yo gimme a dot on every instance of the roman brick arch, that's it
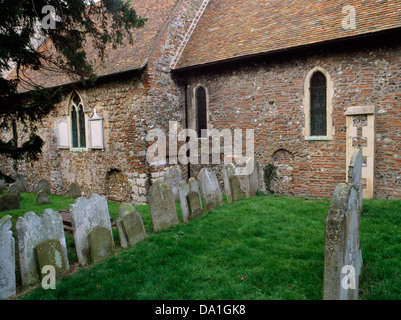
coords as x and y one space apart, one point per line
289 159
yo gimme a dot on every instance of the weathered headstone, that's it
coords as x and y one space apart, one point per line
15 190
33 230
194 186
9 202
183 190
19 180
101 244
7 259
43 184
42 198
87 214
235 188
173 176
50 252
210 189
130 226
194 205
73 191
162 206
355 174
342 245
228 171
252 178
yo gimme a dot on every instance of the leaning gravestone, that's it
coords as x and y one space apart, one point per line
183 190
194 186
15 190
173 176
194 205
101 244
33 231
42 198
355 174
130 226
252 177
162 206
7 259
86 214
73 191
43 184
228 171
210 189
342 253
9 202
19 180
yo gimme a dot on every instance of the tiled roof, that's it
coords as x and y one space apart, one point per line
123 58
230 29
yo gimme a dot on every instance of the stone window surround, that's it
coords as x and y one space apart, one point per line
329 111
69 122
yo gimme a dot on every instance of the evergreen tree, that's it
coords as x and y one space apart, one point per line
67 24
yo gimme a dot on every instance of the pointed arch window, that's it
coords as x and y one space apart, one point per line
318 104
77 116
201 109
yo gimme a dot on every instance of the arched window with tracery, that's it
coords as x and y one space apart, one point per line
77 116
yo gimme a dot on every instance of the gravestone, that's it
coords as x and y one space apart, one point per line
87 214
194 205
2 185
235 188
50 252
173 176
32 230
210 189
43 184
7 259
9 202
42 198
183 190
130 226
15 190
342 245
228 171
162 206
355 174
73 191
194 186
101 244
252 178
19 180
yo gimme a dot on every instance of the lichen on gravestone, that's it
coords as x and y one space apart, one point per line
32 230
130 226
7 259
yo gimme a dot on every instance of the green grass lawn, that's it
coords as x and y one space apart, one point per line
260 248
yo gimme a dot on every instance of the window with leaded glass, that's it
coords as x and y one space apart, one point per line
200 96
318 104
77 116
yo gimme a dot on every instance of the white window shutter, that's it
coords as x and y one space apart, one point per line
96 131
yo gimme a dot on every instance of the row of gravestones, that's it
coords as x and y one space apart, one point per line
41 240
11 200
171 188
